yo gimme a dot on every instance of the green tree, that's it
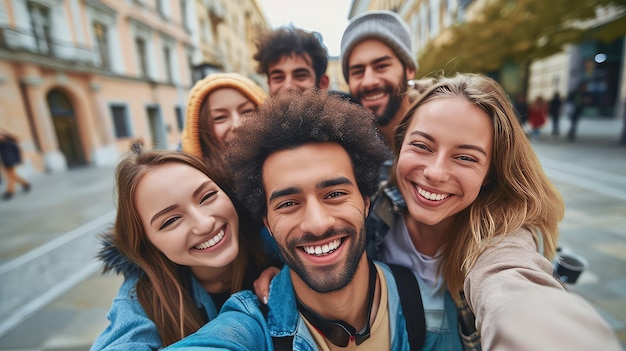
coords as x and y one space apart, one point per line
514 30
519 31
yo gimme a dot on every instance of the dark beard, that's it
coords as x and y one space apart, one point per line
394 104
331 278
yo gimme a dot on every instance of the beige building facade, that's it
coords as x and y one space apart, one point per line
81 80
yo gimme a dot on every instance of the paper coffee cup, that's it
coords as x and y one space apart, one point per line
569 266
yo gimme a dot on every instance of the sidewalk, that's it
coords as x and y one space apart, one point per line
57 204
590 173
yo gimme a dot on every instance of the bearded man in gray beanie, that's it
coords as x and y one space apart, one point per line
378 62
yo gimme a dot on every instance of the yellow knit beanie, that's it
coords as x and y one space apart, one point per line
202 88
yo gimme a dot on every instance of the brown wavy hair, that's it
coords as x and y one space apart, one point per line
164 290
285 41
519 193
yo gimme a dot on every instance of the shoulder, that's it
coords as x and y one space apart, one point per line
239 326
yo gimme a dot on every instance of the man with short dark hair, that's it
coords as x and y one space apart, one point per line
292 58
309 171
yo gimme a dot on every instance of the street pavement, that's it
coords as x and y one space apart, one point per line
590 173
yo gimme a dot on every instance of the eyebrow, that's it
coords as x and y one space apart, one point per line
284 192
462 146
334 182
169 208
302 70
373 62
275 71
321 185
163 211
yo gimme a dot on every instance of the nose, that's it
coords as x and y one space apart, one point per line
289 83
317 218
201 223
370 79
236 120
437 170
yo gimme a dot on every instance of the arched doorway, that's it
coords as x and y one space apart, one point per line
66 128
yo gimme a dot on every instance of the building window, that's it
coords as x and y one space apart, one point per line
100 31
160 9
120 121
141 56
180 119
41 27
183 15
167 59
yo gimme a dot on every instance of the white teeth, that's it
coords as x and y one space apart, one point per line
211 242
431 196
323 250
374 97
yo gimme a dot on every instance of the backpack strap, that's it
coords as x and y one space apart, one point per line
281 343
412 306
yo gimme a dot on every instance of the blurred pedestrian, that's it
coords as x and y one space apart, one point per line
555 112
579 99
11 157
537 116
292 58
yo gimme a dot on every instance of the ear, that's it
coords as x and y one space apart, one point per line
367 206
324 82
410 73
267 226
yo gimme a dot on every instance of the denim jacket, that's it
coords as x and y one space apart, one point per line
387 206
130 327
241 324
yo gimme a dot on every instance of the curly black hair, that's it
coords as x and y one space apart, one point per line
292 119
288 40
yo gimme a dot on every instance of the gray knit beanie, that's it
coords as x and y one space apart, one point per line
386 26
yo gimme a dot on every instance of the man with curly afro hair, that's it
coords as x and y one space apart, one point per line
307 163
289 121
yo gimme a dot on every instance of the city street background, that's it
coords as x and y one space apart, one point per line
51 232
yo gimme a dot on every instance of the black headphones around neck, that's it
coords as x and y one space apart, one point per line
339 332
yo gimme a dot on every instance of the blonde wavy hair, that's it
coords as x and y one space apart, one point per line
518 195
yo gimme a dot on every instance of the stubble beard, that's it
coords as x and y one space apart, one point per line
330 278
393 105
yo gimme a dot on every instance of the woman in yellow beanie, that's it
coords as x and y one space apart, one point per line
215 106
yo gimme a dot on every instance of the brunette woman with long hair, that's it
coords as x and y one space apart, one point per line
183 244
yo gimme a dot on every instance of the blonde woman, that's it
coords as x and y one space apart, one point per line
466 208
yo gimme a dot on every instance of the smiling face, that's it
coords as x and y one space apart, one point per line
293 72
444 158
316 213
377 78
193 222
227 107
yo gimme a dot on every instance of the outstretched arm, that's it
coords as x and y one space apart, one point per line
519 305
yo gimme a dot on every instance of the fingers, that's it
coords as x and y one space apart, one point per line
262 283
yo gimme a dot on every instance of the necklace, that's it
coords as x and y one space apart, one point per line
337 331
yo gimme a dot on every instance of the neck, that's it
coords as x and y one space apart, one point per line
215 279
426 238
349 304
389 131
